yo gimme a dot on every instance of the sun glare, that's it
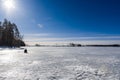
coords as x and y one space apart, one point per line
9 5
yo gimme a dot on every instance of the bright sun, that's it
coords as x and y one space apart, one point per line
9 5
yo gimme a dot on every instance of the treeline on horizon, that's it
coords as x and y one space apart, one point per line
80 45
10 35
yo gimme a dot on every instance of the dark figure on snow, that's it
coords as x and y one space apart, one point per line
25 51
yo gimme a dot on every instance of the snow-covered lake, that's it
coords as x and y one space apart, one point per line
60 63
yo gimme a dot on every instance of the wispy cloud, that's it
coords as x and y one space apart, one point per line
41 38
36 23
37 35
52 38
40 25
61 41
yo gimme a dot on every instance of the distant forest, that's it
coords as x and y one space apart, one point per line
10 35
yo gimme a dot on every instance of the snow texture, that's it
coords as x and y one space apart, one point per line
60 63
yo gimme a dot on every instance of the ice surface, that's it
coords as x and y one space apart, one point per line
60 63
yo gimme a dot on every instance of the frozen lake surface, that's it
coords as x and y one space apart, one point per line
60 63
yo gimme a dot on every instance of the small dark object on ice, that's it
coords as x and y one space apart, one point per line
25 51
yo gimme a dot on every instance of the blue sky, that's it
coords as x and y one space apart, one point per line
86 19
